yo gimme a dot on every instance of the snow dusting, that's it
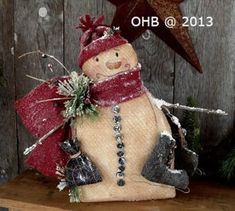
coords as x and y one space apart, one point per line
176 121
159 103
175 171
165 133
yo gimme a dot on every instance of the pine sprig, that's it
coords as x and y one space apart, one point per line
192 125
77 87
228 166
74 194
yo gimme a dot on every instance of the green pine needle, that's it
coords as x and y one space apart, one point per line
228 166
74 194
192 125
77 87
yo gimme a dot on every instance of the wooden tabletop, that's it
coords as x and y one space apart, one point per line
31 191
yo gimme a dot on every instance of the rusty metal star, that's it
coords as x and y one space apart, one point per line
177 37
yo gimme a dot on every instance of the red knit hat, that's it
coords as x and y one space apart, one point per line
97 37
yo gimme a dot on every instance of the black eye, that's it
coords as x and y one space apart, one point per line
117 54
97 59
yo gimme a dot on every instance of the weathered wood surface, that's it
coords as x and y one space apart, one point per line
214 88
43 195
8 139
164 73
39 25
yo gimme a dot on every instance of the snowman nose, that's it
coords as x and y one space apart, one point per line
113 65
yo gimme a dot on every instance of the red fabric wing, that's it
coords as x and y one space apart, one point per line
45 157
40 118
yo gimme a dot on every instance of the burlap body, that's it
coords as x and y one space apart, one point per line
142 124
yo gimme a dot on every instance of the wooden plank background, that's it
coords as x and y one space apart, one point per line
166 74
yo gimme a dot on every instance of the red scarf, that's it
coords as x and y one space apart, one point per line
120 88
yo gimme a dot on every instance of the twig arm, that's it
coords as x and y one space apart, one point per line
160 103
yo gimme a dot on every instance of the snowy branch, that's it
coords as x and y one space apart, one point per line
159 103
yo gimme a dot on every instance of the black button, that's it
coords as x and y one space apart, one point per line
116 109
120 153
120 174
121 161
117 128
116 119
121 182
121 168
120 145
119 136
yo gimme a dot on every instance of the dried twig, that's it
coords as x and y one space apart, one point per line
159 103
45 55
54 99
39 141
37 79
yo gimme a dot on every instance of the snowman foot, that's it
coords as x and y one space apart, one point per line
157 168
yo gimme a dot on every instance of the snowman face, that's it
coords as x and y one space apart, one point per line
108 63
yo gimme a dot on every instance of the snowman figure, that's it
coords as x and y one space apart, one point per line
128 152
130 142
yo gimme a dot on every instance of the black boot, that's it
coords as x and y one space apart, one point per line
157 168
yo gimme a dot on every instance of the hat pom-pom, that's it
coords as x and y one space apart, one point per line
90 23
